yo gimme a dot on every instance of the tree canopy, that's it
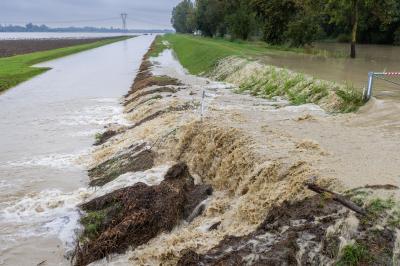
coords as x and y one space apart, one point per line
183 17
292 22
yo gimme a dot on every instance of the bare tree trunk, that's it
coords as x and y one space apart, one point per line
354 24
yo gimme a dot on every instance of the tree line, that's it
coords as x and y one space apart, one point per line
292 22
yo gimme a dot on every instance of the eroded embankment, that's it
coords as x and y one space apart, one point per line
270 81
227 199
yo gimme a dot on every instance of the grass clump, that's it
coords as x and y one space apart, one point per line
98 137
379 206
17 69
394 219
297 88
351 99
353 255
92 222
165 80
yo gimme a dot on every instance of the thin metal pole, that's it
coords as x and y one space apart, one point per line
370 86
203 96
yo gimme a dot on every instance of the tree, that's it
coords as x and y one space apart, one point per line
301 31
183 17
240 18
210 17
292 22
275 14
386 11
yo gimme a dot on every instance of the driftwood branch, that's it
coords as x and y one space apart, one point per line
338 198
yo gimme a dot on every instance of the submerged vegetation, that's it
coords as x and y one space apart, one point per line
302 89
354 255
17 69
92 223
203 55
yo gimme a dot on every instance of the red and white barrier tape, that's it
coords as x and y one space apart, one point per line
391 73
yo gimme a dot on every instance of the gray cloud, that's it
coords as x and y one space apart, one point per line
145 14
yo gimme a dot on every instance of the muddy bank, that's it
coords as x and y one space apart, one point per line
260 211
17 47
315 231
131 216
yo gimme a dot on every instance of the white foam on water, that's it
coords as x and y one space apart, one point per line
53 212
84 133
44 213
150 177
106 100
304 107
4 184
57 161
97 115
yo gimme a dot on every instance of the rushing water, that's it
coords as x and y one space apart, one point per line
375 58
47 127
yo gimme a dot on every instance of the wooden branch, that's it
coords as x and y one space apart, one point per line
338 198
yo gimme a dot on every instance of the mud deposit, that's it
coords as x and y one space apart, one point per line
17 47
300 234
236 193
134 215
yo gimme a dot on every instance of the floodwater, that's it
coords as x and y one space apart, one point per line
376 58
47 127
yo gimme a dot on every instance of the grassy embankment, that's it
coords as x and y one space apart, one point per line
17 69
201 55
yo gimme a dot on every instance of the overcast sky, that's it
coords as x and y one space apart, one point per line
143 14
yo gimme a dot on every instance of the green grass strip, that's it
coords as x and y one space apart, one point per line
17 69
199 54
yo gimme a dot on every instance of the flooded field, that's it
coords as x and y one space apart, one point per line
56 35
376 58
47 130
24 46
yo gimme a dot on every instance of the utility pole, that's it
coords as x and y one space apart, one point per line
124 16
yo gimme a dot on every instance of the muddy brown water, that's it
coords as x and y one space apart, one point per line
47 128
376 58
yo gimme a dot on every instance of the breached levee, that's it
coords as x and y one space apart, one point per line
131 216
269 81
227 199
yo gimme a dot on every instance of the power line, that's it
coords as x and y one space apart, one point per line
145 21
